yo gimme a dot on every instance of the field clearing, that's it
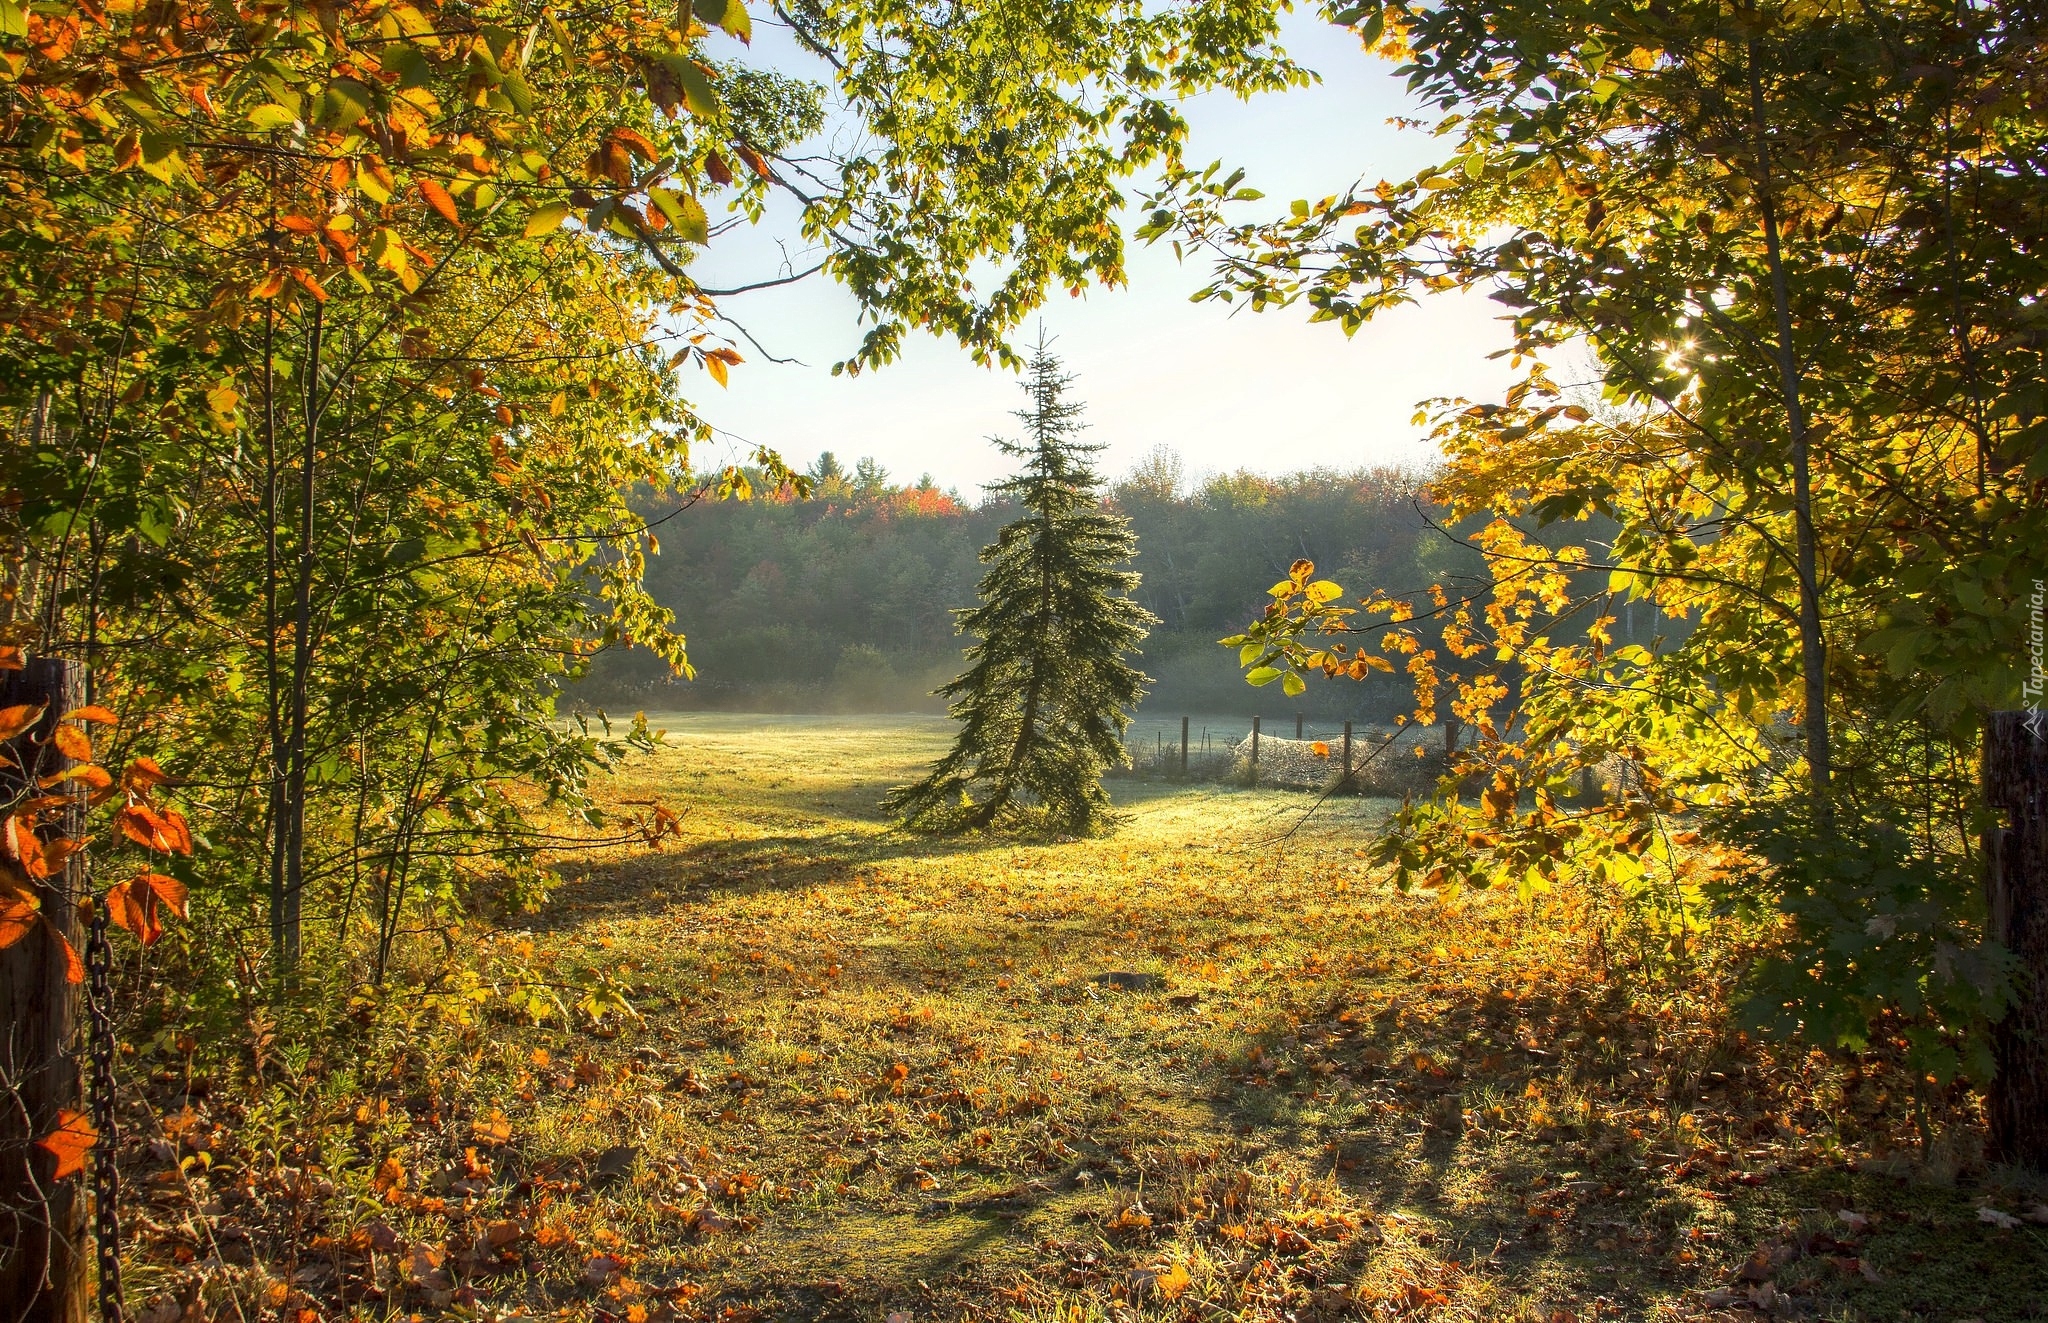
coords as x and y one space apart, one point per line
1187 1072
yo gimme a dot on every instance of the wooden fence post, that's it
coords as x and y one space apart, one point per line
2016 876
1347 755
43 1253
1297 725
1255 752
1183 748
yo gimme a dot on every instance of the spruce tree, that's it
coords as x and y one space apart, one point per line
1044 702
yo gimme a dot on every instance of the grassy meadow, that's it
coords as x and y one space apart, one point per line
1211 1067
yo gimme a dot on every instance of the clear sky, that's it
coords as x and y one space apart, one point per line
1268 392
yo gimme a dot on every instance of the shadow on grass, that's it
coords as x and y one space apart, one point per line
1585 1151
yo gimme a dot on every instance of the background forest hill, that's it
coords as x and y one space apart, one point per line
843 602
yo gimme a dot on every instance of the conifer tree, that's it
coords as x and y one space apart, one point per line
1044 702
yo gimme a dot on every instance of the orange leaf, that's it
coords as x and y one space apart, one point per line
269 287
74 968
167 890
437 198
46 858
10 659
177 832
141 824
306 278
634 142
17 916
504 415
715 166
69 1143
1320 749
298 224
14 720
144 773
95 714
91 773
134 908
72 743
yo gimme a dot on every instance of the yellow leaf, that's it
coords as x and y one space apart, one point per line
547 219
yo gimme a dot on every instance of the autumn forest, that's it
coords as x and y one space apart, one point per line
480 844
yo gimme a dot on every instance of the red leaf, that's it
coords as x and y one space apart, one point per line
715 166
69 1143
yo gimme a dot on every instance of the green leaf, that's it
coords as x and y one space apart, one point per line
518 91
272 116
1249 653
409 63
13 19
698 96
1263 675
684 212
730 15
343 103
1292 684
547 219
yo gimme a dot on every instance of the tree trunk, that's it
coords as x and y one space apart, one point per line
2016 861
302 663
43 1258
1805 540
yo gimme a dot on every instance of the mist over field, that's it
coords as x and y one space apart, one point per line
844 602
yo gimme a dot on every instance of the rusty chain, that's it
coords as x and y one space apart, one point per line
106 1179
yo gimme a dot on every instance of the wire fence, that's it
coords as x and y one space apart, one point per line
1365 758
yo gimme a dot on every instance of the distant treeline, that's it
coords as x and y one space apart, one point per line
844 601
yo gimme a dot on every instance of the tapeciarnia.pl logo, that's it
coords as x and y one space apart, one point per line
2037 661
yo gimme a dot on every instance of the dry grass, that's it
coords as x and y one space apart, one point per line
873 1075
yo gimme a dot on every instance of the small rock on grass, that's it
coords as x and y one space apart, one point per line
1129 981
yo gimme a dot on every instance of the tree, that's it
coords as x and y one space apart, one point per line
1043 704
870 479
1807 248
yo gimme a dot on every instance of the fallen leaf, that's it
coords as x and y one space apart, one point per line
491 1129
